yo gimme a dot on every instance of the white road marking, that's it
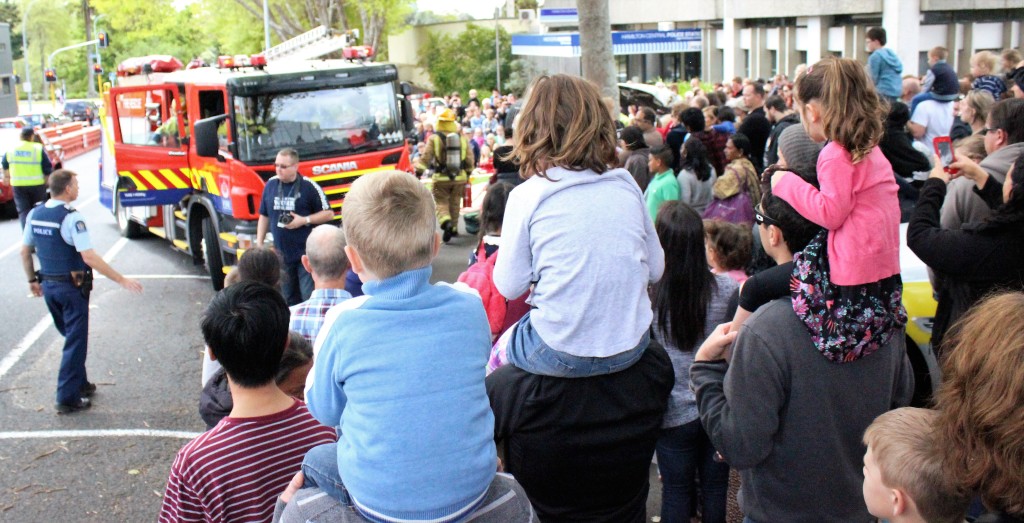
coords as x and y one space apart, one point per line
109 433
23 345
109 256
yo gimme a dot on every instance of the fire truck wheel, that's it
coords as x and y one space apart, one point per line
127 227
211 254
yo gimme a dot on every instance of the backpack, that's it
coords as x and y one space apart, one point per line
480 276
451 163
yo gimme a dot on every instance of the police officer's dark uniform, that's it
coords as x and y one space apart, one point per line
59 237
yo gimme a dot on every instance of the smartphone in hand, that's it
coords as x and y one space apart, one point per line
944 148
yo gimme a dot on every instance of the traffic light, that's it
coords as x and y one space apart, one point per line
97 68
104 39
50 75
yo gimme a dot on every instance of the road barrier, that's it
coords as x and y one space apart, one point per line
73 139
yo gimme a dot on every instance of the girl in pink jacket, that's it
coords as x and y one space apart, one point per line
846 286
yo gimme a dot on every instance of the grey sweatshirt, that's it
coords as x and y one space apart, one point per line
588 242
962 205
791 421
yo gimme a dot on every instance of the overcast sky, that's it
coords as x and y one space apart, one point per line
476 8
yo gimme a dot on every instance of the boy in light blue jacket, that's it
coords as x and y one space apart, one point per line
400 371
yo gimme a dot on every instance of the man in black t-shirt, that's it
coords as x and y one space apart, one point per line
755 125
291 205
582 447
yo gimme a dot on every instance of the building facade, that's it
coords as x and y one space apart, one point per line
758 38
8 87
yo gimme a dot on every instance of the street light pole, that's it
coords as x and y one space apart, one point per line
497 50
24 53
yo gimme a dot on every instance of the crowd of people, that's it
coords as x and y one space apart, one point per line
718 287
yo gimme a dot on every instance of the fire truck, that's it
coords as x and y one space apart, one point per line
186 152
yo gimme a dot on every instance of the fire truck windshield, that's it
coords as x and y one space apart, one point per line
317 124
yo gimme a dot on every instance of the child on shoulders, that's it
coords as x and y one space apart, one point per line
580 234
400 370
847 287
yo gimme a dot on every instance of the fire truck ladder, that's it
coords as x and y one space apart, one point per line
309 45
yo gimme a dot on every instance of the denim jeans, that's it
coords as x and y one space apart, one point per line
320 469
70 312
296 273
528 351
684 451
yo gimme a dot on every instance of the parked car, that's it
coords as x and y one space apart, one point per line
41 120
15 122
919 301
80 110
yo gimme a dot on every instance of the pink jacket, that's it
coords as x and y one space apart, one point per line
858 205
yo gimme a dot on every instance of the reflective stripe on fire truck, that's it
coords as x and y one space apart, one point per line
185 178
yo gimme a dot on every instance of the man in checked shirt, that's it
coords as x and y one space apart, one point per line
326 261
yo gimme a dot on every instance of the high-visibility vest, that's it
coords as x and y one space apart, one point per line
25 163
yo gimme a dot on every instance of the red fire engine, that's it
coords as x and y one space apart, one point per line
186 153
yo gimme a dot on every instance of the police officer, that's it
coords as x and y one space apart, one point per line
451 166
27 167
58 235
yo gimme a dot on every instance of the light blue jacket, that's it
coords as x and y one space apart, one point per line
887 72
401 371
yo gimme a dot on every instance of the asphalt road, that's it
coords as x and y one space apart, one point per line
110 463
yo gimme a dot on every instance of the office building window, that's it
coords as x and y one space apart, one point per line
774 62
691 66
621 68
746 63
5 85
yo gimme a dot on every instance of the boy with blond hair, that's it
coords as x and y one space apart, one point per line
903 479
400 371
983 64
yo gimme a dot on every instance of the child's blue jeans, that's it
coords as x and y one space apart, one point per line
528 351
320 469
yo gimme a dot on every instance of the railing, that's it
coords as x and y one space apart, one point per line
73 139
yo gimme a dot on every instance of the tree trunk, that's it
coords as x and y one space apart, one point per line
596 46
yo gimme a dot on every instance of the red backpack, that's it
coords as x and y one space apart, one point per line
480 276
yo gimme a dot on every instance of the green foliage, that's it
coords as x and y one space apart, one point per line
466 61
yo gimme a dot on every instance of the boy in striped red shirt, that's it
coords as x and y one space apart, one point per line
235 471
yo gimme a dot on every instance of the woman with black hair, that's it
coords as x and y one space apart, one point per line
696 176
636 154
688 301
736 190
978 258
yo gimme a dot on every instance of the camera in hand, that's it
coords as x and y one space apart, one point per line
285 219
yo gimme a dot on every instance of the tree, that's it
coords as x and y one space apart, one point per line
596 46
466 61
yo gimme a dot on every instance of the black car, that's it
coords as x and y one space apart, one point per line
80 110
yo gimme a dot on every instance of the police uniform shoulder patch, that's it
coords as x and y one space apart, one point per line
80 226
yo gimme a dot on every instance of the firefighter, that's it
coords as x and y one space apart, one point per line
27 166
446 155
58 235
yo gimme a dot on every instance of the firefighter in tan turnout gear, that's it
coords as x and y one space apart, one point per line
450 160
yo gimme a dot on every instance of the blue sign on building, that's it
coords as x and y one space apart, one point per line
566 15
623 43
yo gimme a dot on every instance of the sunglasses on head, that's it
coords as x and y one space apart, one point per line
763 219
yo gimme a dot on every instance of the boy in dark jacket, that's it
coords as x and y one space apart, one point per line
940 83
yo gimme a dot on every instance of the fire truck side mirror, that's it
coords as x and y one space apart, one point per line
406 89
206 141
